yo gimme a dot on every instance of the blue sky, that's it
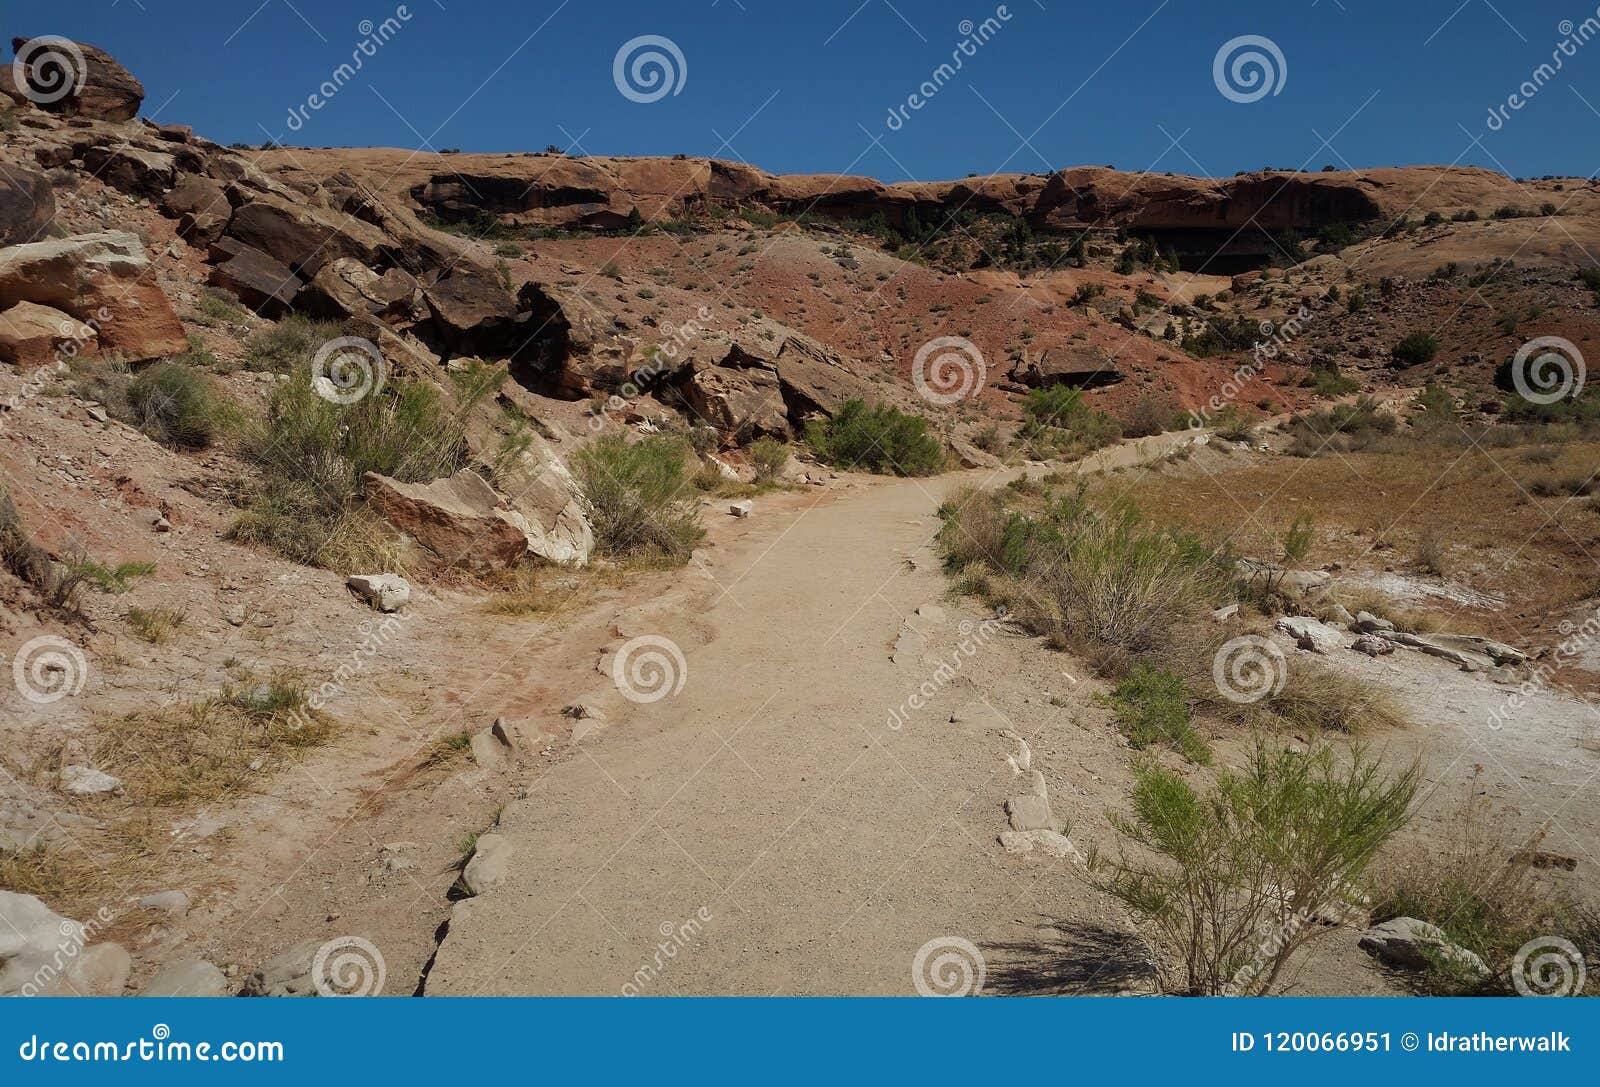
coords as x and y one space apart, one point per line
808 87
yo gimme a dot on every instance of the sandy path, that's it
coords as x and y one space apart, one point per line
771 796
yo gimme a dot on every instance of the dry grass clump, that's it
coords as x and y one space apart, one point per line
1316 697
1409 619
155 625
1481 889
641 506
200 750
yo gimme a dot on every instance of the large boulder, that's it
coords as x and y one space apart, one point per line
32 335
72 78
27 204
302 236
201 207
744 402
346 288
102 280
474 313
814 381
131 169
462 521
265 285
43 953
1075 367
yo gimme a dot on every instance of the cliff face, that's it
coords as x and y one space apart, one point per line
1199 217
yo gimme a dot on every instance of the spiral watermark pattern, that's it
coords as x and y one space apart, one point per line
948 966
348 966
1249 668
1248 68
48 69
48 668
649 668
1547 369
348 368
648 68
948 369
1549 966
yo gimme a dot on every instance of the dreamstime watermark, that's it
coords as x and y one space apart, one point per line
374 36
648 68
1547 369
974 636
676 939
48 69
1248 68
49 668
974 36
948 370
348 966
1549 966
1577 637
346 369
1249 668
649 668
1573 37
75 336
1282 936
663 361
75 936
948 966
1274 339
373 635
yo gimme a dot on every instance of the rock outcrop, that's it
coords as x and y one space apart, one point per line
71 78
27 204
101 280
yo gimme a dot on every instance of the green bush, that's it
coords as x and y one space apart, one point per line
639 503
877 438
1416 348
770 457
1056 421
1152 707
289 344
1235 877
176 406
312 454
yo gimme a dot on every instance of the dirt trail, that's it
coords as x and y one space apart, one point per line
771 794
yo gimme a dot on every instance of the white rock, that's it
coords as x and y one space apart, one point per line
190 977
1311 634
490 863
741 509
87 781
386 592
171 903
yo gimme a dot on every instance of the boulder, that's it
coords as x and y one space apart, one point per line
1372 646
107 91
814 380
741 509
27 204
474 313
1078 367
189 977
1367 623
1311 634
200 206
460 519
134 170
265 285
1414 944
101 279
42 952
490 864
285 974
302 236
32 335
386 592
346 288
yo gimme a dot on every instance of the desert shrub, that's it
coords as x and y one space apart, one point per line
1093 577
638 500
1431 550
1415 349
1150 415
1298 538
289 344
217 308
770 457
1570 485
1152 707
1056 421
1342 428
1233 878
878 438
176 406
1328 381
312 453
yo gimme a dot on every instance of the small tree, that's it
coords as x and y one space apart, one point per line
1416 349
1235 879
